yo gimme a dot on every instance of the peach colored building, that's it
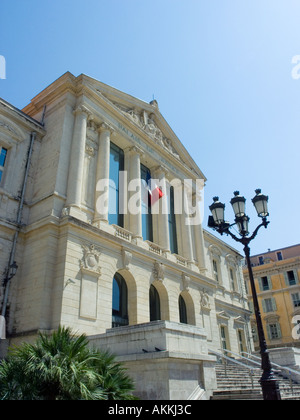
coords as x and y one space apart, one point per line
277 275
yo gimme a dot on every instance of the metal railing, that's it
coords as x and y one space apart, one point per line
225 359
291 374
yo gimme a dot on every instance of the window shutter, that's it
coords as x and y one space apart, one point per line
270 283
269 332
274 306
260 285
264 305
296 276
286 279
279 330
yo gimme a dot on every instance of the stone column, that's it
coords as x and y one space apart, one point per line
133 165
102 174
77 157
186 234
160 211
199 242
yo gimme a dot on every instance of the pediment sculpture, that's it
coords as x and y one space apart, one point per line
147 123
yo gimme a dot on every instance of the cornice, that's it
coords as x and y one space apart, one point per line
65 83
18 117
109 104
274 268
97 94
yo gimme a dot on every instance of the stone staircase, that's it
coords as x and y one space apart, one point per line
236 383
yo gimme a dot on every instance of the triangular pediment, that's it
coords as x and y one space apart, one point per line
140 118
240 320
147 118
223 315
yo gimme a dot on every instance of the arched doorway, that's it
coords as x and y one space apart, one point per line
154 299
183 319
119 302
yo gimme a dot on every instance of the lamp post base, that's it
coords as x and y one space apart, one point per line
270 387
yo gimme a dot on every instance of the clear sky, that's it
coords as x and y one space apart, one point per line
221 71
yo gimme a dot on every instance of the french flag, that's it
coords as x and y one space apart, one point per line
154 192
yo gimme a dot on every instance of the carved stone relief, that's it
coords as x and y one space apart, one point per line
147 123
90 261
127 257
159 271
186 280
204 299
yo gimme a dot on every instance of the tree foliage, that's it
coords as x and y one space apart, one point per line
62 366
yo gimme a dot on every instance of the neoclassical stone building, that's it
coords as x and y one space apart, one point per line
100 212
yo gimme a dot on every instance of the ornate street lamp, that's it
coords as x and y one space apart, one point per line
217 222
10 273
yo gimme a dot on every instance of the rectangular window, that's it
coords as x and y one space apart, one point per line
147 229
261 260
172 223
274 331
216 271
241 340
224 342
265 283
291 278
269 305
116 166
279 256
296 300
3 156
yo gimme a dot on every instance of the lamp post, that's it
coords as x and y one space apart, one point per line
269 384
10 273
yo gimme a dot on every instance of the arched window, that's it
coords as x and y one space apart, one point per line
182 311
119 302
155 314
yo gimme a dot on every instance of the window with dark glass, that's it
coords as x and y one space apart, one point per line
182 311
279 256
265 283
3 155
147 229
119 302
172 223
296 300
116 166
155 314
291 278
224 338
216 270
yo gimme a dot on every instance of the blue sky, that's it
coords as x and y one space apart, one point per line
221 71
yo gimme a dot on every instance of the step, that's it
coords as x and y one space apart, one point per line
246 394
234 383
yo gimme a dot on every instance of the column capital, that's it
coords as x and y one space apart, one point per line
81 109
105 127
134 150
160 170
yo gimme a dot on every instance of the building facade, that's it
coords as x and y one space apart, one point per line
277 275
100 211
